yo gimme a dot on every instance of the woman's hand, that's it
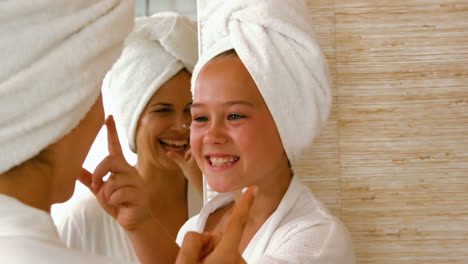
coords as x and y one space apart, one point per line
189 167
207 249
123 195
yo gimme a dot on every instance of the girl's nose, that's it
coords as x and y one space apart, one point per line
214 135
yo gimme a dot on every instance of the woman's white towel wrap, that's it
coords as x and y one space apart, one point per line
157 49
54 55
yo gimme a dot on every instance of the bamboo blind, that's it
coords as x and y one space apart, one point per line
393 161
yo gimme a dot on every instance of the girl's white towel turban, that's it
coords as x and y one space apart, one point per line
54 55
157 49
275 41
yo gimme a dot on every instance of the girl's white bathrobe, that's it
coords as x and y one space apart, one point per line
28 235
301 230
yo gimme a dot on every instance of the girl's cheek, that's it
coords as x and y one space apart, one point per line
196 136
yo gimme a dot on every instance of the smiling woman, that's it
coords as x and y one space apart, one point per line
51 113
163 124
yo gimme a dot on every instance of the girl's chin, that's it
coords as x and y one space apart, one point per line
222 187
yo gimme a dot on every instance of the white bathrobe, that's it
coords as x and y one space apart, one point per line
88 228
28 236
301 230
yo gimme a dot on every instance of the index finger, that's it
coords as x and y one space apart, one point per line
193 247
113 143
236 225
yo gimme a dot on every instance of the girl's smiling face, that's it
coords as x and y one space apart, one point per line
233 136
164 123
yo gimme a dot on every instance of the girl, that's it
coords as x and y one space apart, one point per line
261 94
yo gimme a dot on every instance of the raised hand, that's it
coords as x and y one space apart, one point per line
189 167
123 195
204 248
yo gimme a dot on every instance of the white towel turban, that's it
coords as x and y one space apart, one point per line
275 41
54 55
157 49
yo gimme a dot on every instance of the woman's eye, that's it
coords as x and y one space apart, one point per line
163 110
200 119
235 116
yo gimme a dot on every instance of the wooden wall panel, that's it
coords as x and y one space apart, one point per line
321 165
393 163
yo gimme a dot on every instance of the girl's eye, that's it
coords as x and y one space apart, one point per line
235 116
163 110
200 119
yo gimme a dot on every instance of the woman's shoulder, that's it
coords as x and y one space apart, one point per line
84 215
187 227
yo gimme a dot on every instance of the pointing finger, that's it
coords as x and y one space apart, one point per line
236 225
110 164
113 142
193 247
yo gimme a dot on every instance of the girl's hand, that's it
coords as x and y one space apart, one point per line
123 195
207 249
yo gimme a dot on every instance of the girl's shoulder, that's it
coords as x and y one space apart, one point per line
308 224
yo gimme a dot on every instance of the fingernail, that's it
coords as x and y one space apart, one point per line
255 190
108 119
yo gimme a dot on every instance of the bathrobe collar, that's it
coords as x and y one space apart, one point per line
20 220
263 235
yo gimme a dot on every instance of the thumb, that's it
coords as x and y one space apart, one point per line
85 178
188 154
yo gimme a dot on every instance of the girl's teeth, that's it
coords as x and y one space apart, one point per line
223 161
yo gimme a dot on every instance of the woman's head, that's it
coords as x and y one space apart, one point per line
164 123
46 99
233 135
161 51
69 163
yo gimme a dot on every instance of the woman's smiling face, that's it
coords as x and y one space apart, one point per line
233 136
163 125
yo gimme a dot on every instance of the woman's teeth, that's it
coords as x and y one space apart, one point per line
175 145
217 162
